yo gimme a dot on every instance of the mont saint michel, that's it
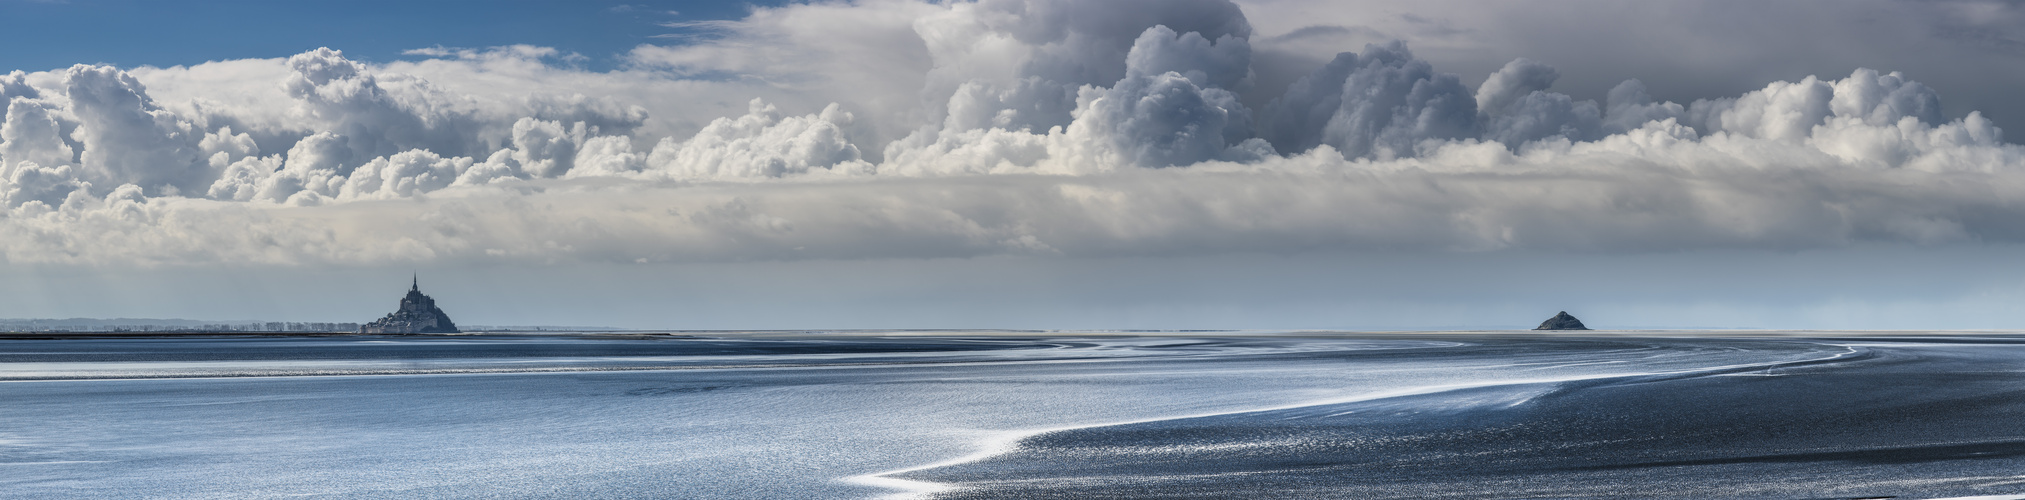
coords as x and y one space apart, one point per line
417 314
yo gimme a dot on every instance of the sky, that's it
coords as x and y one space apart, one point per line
1031 164
129 33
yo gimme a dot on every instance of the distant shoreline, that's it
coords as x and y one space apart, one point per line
59 335
196 334
83 335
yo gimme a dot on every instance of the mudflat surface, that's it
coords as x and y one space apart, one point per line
1910 418
1017 415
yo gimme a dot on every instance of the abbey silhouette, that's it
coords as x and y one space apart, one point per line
418 314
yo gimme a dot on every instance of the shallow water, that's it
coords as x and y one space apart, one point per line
982 415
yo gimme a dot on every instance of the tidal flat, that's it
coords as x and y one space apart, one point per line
983 414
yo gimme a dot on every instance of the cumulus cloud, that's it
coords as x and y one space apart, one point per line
763 143
31 135
124 138
1171 108
1515 107
1382 103
1045 127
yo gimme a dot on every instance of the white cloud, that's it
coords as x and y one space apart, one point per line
761 144
31 135
1381 103
1170 108
908 129
124 137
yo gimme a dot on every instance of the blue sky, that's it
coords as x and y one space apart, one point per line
57 34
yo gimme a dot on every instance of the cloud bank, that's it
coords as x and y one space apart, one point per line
963 129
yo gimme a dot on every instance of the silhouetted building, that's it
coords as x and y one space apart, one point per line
418 314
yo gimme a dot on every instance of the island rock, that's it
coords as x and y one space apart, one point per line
1562 321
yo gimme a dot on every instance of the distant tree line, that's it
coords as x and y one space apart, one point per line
256 327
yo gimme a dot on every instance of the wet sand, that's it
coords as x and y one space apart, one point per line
975 414
1894 417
